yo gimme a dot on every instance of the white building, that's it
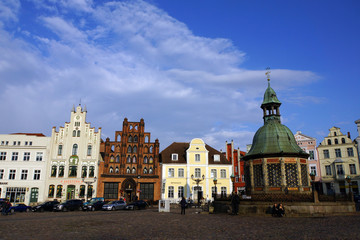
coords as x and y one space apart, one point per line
23 158
74 158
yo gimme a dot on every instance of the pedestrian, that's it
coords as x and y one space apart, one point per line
3 207
281 211
183 205
275 210
235 201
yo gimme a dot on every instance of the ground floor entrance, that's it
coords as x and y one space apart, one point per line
16 194
70 192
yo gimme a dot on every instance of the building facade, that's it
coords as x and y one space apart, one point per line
338 160
235 157
23 159
74 158
189 170
308 144
130 166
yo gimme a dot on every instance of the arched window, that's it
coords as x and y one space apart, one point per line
151 160
135 138
78 133
117 158
335 134
130 138
151 149
135 149
147 139
342 140
129 149
329 142
74 133
145 170
75 149
133 170
127 170
134 159
117 170
112 159
145 159
136 127
111 170
89 150
150 170
146 150
128 159
130 127
112 148
336 141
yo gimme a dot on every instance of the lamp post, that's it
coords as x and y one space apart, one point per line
215 182
197 180
348 179
138 179
88 183
315 195
233 181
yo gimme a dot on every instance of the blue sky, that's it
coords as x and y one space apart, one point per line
189 68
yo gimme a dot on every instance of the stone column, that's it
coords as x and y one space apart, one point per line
252 176
298 166
283 176
265 175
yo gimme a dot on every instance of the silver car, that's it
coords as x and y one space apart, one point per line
114 205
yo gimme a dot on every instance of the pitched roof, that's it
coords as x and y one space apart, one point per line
30 134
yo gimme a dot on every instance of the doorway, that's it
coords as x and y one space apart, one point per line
34 195
70 193
129 188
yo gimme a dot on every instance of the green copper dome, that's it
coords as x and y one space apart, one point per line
273 139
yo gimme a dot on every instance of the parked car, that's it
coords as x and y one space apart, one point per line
92 200
139 204
70 205
45 206
114 205
94 206
19 207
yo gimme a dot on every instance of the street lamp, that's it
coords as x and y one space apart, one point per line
215 182
138 179
348 179
233 181
88 183
315 196
197 180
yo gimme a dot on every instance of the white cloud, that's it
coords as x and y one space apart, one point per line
9 10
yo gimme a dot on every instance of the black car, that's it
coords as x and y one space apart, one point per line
70 205
139 204
45 206
94 206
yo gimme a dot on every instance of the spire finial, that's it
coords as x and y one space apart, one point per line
268 74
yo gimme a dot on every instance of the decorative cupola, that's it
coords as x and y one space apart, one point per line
271 103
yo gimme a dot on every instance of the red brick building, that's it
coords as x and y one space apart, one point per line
130 165
234 156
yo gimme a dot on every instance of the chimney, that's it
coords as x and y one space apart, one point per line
349 135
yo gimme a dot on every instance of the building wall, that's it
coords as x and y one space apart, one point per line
234 156
335 168
20 189
78 133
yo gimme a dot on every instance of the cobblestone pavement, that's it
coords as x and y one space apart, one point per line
150 224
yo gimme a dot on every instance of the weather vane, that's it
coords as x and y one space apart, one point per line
268 73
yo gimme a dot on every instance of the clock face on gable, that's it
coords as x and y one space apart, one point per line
77 117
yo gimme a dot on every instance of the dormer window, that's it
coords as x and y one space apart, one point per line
217 158
174 157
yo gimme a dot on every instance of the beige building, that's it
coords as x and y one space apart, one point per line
338 160
184 163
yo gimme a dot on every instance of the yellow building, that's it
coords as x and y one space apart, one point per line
189 170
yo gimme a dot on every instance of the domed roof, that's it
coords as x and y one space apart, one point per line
270 96
274 139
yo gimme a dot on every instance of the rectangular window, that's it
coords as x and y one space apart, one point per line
2 156
339 169
313 170
350 152
197 157
84 172
37 175
181 172
311 157
171 192
7 143
26 143
26 156
12 174
338 153
180 191
352 168
171 172
61 171
91 171
53 171
328 170
223 173
326 154
14 143
217 158
197 172
1 173
147 191
174 157
39 156
223 191
213 173
59 191
18 143
72 171
24 174
60 150
89 150
14 156
30 143
2 142
111 190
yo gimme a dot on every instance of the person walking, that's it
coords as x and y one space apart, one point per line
235 201
183 205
